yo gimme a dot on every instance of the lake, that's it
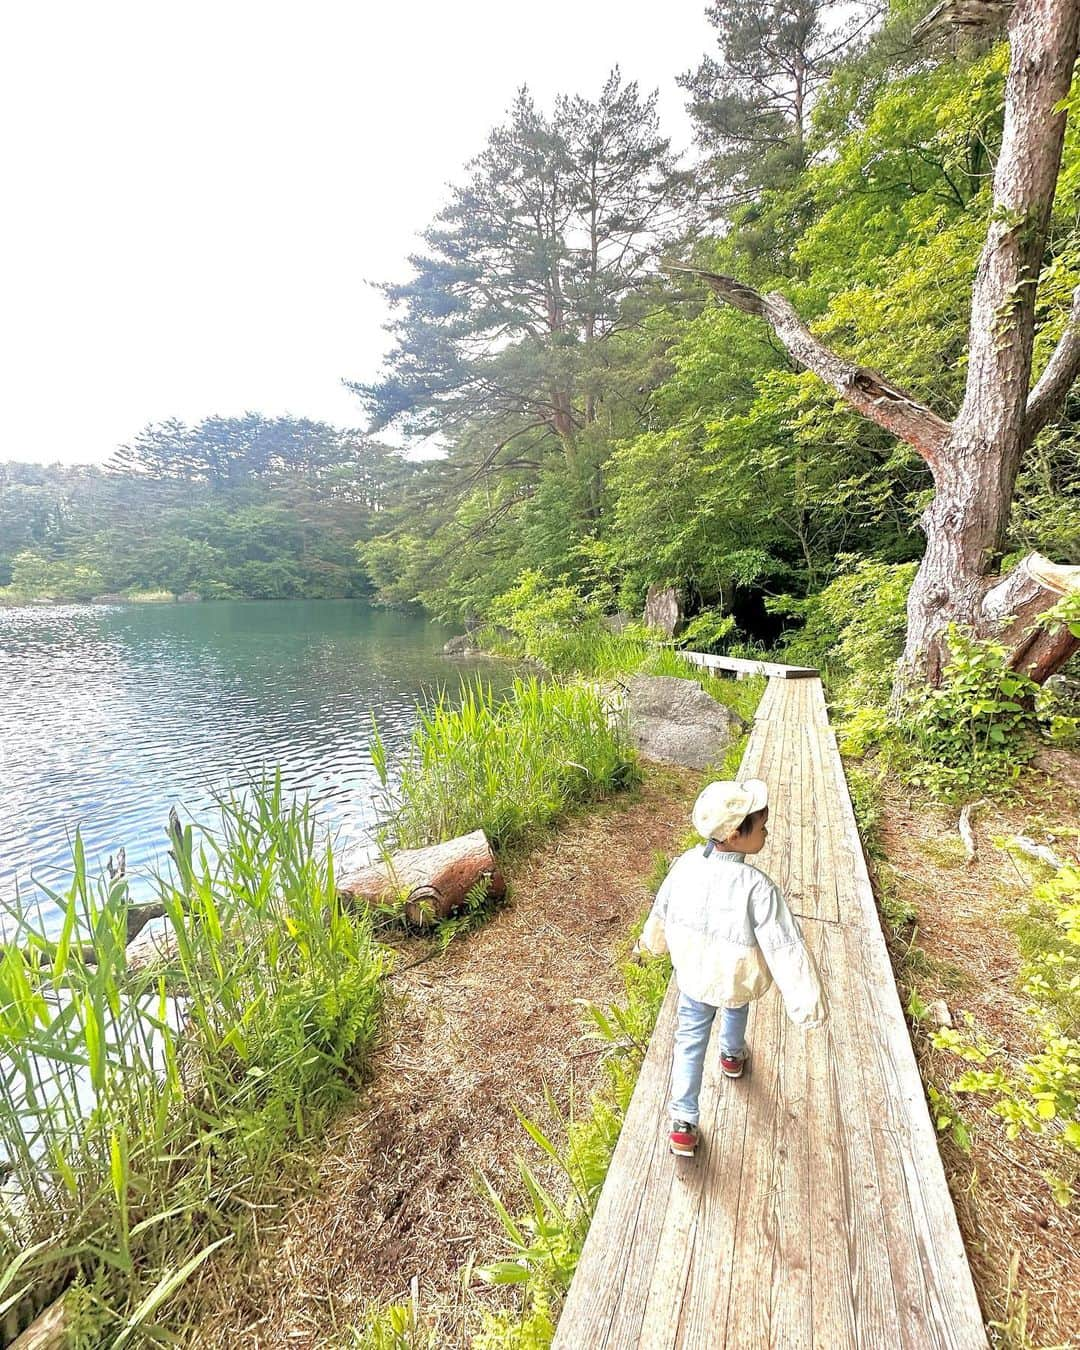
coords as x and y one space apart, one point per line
110 715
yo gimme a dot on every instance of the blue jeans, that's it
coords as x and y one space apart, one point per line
691 1041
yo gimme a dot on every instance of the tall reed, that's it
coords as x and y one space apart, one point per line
504 764
142 1115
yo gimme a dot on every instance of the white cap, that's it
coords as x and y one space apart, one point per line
722 807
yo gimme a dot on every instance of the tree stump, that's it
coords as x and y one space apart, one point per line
49 1331
428 883
1018 601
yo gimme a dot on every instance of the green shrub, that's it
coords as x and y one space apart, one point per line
709 631
552 623
853 631
974 734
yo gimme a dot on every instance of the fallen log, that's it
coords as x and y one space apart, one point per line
428 883
51 1330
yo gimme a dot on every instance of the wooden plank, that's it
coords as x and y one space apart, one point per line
820 855
934 1289
702 1316
687 1221
776 858
850 872
769 700
743 666
770 1299
818 713
853 1254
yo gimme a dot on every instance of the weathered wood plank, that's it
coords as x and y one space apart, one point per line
702 1318
740 665
770 1299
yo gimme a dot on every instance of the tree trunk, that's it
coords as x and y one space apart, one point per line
975 460
975 473
1014 607
428 883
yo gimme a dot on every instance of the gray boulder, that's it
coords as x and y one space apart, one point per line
664 610
616 623
188 598
676 722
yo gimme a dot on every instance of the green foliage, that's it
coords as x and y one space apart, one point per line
974 734
551 621
264 508
853 629
143 1116
552 624
391 1328
1043 1096
546 1241
708 631
506 765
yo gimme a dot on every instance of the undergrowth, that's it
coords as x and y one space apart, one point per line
1041 1094
504 764
144 1116
545 1242
550 624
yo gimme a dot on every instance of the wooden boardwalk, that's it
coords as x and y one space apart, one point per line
816 1211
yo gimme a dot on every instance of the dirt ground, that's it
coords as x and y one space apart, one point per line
961 950
493 1023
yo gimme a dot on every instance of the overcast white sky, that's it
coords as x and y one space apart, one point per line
196 194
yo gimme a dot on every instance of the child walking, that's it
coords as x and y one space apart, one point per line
730 935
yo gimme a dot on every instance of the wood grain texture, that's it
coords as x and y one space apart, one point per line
816 1212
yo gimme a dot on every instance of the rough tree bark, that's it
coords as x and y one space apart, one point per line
974 459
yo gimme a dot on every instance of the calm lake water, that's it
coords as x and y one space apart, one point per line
111 715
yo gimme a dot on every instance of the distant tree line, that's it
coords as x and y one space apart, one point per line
251 507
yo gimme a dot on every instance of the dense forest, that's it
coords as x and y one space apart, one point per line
602 424
256 507
609 426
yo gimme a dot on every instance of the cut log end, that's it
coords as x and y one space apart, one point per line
1012 611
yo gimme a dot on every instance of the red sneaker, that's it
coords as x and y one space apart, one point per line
683 1138
733 1066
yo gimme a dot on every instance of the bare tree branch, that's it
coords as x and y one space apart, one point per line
866 390
1047 399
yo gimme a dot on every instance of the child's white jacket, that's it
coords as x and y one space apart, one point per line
730 934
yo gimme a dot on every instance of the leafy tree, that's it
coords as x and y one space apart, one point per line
751 103
503 335
975 458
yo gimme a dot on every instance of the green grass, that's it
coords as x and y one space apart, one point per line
601 655
145 1118
506 765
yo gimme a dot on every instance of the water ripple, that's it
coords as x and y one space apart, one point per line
111 715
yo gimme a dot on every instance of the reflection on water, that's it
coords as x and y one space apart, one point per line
110 715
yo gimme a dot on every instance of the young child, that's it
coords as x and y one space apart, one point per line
730 934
